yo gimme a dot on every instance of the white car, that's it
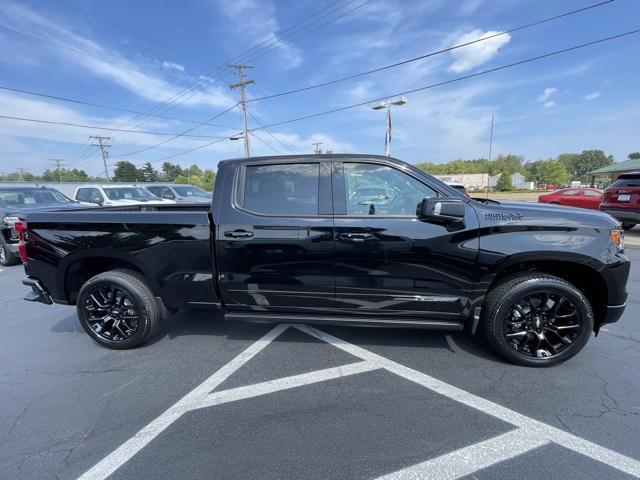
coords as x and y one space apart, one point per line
117 195
180 193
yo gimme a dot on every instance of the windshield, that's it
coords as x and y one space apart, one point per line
191 191
128 193
31 196
627 182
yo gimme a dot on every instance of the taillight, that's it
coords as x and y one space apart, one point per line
21 227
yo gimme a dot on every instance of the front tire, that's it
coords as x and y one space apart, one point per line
537 320
7 258
118 309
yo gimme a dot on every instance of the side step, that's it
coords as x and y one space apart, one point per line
37 293
262 317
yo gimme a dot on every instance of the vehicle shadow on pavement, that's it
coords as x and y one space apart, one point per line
203 323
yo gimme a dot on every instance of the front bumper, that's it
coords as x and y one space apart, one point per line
613 313
623 214
37 293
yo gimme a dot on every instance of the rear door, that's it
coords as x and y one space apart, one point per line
274 239
388 262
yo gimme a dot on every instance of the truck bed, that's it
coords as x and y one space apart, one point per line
171 245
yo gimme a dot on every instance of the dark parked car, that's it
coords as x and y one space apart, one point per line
622 199
284 241
15 201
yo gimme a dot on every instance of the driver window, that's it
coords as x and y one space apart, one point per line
380 190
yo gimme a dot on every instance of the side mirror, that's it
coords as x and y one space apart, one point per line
441 209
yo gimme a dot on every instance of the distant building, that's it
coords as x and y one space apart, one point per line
610 173
518 181
471 181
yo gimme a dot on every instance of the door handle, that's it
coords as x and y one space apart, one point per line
238 234
356 237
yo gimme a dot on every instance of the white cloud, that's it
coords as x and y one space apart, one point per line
546 95
173 66
476 54
132 75
549 104
592 96
254 22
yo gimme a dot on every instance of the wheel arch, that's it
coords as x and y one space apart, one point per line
76 269
574 269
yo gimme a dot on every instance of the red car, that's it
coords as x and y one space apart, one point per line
574 197
622 200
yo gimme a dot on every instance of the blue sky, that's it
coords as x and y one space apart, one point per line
584 99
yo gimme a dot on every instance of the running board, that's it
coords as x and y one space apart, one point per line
261 317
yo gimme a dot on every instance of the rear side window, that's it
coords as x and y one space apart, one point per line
627 182
287 189
83 194
592 193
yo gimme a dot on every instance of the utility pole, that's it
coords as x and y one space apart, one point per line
59 163
103 150
317 150
21 172
243 100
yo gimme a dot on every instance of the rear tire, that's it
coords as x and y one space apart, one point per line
7 258
536 320
628 226
118 309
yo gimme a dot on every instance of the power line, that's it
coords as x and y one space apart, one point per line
98 105
279 42
431 54
446 82
132 32
93 127
271 135
181 134
275 36
265 143
454 80
166 104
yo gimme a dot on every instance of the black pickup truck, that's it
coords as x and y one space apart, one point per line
295 239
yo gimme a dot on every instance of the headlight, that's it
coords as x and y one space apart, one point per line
617 237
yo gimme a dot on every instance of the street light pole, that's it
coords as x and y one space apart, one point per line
386 105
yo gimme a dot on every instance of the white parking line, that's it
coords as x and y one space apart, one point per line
136 443
257 389
467 460
553 434
530 432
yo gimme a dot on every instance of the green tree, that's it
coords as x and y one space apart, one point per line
67 175
554 171
504 182
126 172
148 173
171 171
633 156
580 164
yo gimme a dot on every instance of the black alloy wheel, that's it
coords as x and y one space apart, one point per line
536 319
543 324
112 313
118 309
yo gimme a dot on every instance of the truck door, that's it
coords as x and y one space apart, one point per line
275 237
387 260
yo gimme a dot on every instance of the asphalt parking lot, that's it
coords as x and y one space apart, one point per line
210 400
